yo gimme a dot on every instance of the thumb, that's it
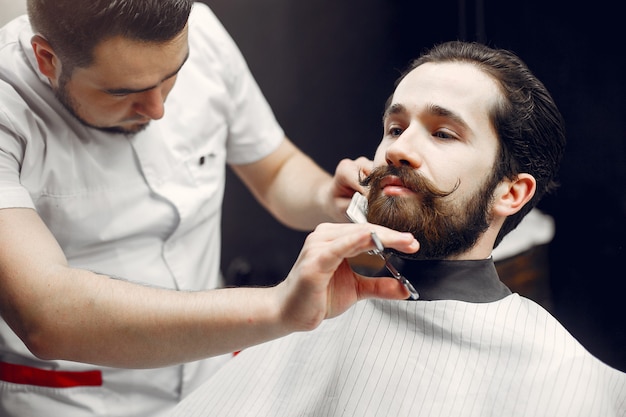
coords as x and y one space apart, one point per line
385 288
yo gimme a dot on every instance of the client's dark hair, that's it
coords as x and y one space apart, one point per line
528 123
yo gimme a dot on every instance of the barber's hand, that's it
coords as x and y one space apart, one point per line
321 283
344 184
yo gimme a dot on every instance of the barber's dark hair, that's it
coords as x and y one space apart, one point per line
74 28
529 125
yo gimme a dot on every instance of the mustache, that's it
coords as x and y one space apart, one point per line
410 178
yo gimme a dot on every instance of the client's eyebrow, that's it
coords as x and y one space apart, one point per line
438 111
396 108
432 109
124 91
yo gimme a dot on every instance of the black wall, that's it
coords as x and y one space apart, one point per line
327 68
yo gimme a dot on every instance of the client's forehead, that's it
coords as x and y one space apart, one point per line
457 86
459 90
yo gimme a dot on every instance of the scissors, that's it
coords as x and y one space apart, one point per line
356 213
379 251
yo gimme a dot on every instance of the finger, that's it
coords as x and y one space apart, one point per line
350 237
365 165
385 288
401 241
349 174
349 240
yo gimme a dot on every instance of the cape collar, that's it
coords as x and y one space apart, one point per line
473 281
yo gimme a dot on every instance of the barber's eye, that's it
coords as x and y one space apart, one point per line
119 95
395 131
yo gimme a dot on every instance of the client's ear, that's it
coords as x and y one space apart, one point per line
47 60
511 195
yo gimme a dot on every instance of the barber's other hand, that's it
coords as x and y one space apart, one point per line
344 184
321 283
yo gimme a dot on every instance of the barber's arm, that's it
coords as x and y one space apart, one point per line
67 313
297 191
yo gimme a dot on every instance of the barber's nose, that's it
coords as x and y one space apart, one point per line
151 104
403 151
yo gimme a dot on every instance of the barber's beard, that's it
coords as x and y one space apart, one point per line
444 228
62 94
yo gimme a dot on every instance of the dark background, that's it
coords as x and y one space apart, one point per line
327 67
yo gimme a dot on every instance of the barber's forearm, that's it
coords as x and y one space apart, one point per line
65 313
300 196
303 195
292 187
116 323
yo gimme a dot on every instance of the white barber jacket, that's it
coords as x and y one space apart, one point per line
145 208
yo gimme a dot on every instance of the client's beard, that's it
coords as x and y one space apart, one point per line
443 228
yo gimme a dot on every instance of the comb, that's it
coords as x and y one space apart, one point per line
357 208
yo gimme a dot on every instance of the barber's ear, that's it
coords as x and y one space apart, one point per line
512 195
47 60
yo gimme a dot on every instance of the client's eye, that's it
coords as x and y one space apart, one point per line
444 135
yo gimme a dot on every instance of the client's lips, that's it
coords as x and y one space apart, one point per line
393 185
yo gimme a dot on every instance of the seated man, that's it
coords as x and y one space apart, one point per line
472 140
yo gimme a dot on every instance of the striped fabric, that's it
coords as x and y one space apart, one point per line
422 358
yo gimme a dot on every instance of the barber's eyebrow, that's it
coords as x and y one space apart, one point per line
123 91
